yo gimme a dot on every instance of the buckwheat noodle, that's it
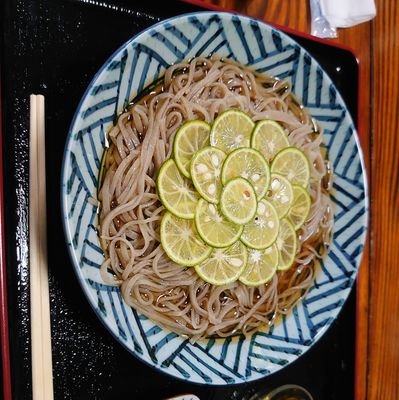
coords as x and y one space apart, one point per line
130 211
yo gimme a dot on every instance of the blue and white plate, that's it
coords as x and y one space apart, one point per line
130 69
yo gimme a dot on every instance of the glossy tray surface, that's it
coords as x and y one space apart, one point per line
55 48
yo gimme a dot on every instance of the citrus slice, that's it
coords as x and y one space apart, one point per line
215 229
249 164
269 138
238 201
300 207
181 242
293 164
261 266
177 193
230 130
223 266
287 243
262 230
206 167
280 194
191 136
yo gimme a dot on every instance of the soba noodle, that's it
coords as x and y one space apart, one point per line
167 293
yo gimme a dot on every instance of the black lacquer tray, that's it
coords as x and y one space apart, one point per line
55 47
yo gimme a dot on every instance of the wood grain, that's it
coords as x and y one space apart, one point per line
376 45
384 300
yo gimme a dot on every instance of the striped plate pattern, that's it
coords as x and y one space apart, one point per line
136 64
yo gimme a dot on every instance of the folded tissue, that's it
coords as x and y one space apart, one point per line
327 15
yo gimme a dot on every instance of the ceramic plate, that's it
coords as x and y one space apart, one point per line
131 68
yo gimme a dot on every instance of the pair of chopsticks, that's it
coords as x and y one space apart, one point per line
42 370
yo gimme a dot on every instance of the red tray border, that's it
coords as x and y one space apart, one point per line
4 338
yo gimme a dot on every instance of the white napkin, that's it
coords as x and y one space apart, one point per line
346 13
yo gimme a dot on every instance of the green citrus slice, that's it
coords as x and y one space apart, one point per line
177 193
238 201
293 164
191 136
215 229
280 194
261 266
181 242
249 164
262 230
224 265
287 243
300 207
206 167
230 130
269 138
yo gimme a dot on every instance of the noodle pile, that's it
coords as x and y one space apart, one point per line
130 214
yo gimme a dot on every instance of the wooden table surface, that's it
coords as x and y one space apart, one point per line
376 45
